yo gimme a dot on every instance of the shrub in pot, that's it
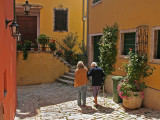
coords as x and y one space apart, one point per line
35 46
19 46
43 40
59 53
131 89
52 45
28 44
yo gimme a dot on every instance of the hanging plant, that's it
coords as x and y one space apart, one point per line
108 50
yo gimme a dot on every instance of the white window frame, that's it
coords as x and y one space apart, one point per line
152 44
121 42
93 4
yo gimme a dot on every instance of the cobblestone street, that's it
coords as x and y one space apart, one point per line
57 101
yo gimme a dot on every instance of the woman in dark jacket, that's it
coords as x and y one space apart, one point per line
97 79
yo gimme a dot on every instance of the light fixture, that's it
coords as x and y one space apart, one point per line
27 7
19 37
13 27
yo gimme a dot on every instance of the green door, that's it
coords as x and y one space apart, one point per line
96 48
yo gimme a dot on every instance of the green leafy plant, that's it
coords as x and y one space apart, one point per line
19 46
34 45
25 51
83 55
136 68
108 50
70 40
43 39
28 44
69 55
52 45
59 53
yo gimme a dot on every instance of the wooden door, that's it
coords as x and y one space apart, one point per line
27 27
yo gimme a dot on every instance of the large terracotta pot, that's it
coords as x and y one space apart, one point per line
133 102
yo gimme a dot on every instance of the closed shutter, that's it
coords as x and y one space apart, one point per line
129 42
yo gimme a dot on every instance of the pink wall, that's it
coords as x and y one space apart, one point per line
7 62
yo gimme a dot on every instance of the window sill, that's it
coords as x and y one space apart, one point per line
154 61
96 3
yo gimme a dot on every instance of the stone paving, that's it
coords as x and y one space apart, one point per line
57 101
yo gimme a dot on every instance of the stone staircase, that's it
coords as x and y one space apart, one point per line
68 78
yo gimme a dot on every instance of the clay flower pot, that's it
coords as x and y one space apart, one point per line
133 102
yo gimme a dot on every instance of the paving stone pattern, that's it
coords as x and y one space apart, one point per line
57 101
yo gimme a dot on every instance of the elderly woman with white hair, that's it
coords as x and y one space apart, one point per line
97 79
81 82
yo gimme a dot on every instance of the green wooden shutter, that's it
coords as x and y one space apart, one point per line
96 48
129 42
158 47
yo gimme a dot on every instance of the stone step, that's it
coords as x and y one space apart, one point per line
70 74
72 70
66 77
65 81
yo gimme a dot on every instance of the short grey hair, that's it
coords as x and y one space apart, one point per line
93 64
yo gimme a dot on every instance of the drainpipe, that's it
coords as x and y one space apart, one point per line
14 9
87 36
84 19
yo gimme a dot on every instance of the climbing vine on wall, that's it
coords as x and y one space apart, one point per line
108 49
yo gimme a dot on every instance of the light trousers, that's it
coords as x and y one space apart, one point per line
82 94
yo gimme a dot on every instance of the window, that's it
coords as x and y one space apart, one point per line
96 1
155 45
61 20
127 41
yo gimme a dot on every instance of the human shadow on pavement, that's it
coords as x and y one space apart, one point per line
96 109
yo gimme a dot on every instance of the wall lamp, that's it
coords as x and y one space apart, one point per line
13 27
27 7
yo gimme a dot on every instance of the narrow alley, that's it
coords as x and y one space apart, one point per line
57 101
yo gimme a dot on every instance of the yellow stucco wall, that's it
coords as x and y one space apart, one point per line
129 14
75 17
40 67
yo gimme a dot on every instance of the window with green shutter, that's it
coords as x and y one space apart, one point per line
129 42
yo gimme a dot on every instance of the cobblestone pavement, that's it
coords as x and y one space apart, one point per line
57 101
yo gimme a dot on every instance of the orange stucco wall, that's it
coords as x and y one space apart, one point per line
129 14
7 61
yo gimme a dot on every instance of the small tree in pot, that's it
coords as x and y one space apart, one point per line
131 90
43 40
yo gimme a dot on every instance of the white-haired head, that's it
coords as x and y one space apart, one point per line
94 64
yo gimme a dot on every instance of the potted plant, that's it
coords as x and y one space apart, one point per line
43 40
59 53
28 44
35 46
52 45
131 89
19 46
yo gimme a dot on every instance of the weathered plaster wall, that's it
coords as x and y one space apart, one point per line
40 67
